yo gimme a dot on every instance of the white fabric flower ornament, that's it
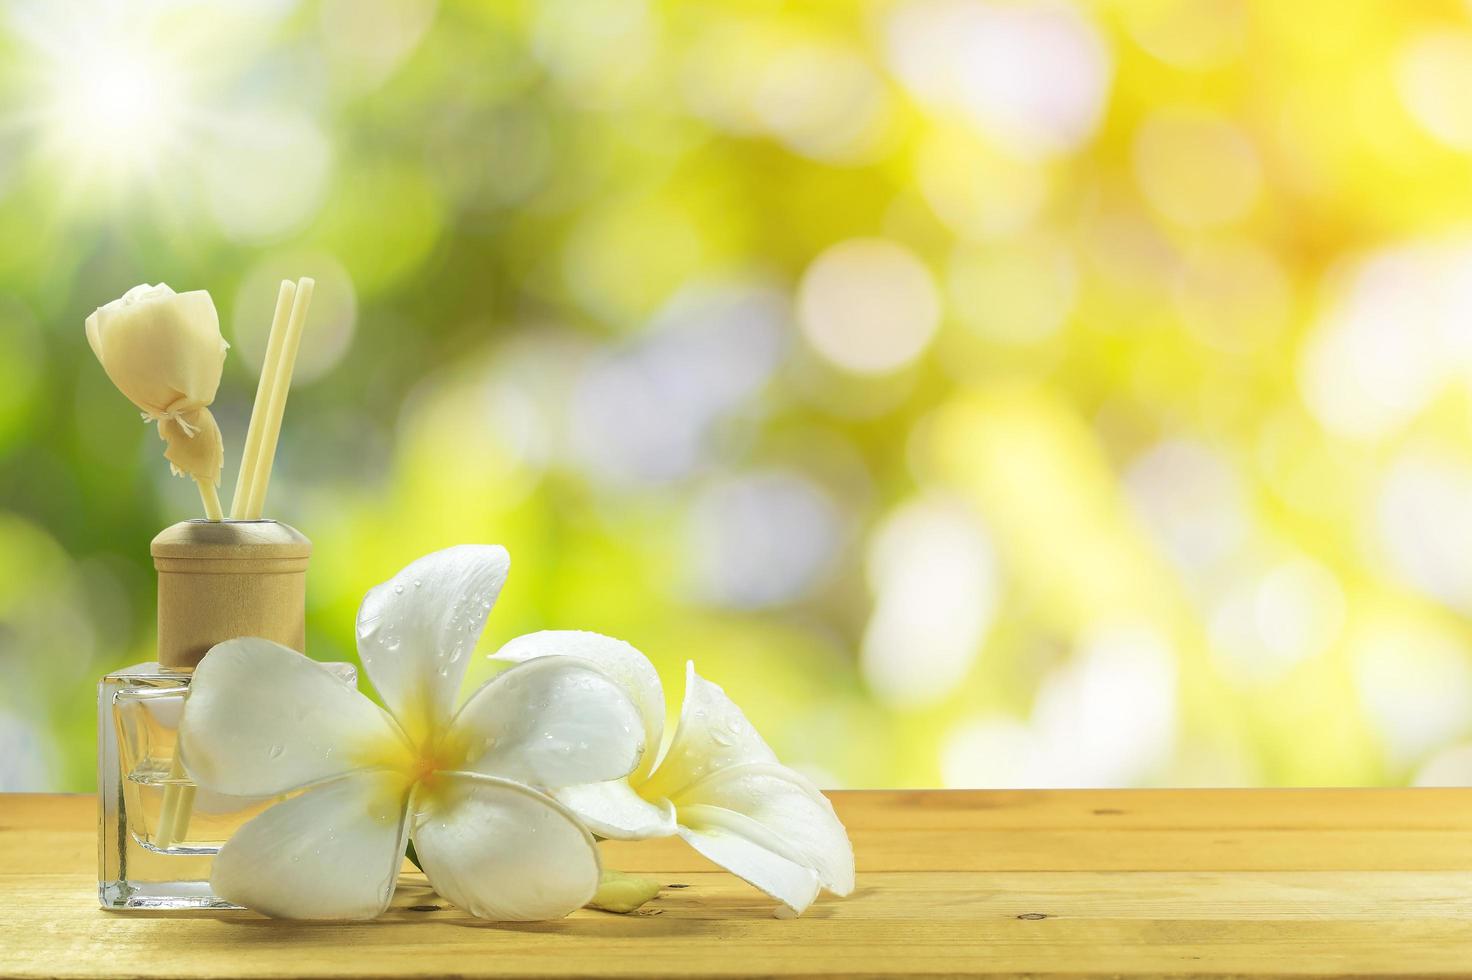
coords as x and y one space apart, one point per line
718 785
466 786
164 351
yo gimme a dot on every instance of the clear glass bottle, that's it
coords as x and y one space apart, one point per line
157 832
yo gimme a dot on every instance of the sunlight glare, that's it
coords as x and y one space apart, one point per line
114 111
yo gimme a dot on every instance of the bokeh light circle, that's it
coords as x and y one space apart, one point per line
332 319
935 579
1197 169
1434 75
1197 35
761 539
1033 77
265 172
868 305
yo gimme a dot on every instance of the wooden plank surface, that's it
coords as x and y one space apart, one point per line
1065 883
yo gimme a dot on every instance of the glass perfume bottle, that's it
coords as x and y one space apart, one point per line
158 833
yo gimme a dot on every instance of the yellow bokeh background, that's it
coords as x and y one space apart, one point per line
984 393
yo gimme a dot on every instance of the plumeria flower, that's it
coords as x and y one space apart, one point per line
718 785
262 720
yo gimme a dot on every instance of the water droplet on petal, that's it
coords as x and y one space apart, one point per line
276 751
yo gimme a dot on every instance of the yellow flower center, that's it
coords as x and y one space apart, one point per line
437 753
424 770
420 763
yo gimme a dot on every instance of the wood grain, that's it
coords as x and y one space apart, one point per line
1061 884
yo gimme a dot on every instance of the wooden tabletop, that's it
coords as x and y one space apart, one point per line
1056 883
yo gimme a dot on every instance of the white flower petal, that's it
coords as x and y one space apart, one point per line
791 809
501 850
713 734
615 658
331 853
551 722
613 809
416 631
262 719
787 881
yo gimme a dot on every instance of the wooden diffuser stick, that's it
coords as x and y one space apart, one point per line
276 407
211 500
248 457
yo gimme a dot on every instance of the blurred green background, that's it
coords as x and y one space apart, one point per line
984 393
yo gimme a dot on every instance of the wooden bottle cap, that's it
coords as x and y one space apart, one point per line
218 580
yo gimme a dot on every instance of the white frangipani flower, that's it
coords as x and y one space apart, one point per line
717 785
466 785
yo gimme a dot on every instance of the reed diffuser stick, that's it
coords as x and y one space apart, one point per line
211 499
164 836
276 409
248 457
